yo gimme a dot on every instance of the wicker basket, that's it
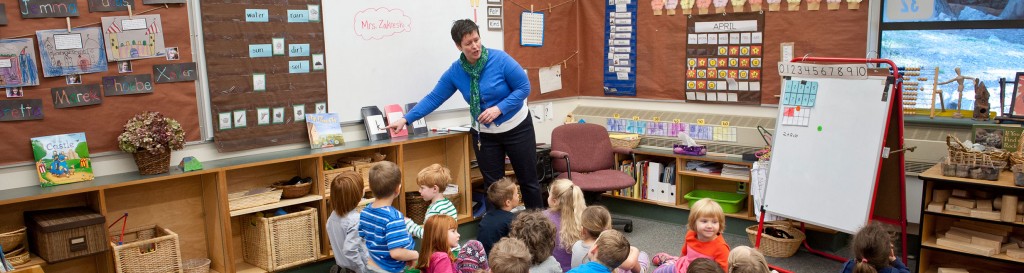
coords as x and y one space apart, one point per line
777 247
624 140
244 200
201 265
330 174
18 257
146 249
293 191
277 242
961 154
153 163
12 237
416 207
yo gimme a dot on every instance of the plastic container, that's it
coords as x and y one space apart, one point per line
730 202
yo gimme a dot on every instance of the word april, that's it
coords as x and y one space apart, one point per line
724 26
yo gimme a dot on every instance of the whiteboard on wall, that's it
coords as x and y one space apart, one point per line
393 51
826 157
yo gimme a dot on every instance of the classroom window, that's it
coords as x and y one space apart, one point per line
984 38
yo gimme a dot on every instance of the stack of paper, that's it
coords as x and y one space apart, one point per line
737 171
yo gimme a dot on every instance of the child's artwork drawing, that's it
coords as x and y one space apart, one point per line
62 159
133 38
18 63
66 53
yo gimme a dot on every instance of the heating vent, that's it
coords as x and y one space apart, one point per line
917 167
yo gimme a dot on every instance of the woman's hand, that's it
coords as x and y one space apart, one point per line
488 116
397 125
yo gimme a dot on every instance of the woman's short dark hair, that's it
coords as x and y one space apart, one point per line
462 27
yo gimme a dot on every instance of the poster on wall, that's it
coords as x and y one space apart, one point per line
133 38
110 5
67 53
48 8
620 48
18 63
724 58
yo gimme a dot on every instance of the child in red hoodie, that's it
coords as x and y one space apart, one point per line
703 239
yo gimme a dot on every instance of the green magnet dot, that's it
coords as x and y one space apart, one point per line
819 128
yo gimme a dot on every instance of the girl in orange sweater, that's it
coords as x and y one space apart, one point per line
703 239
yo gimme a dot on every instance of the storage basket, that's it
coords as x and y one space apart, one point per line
416 207
153 163
330 174
624 140
18 257
253 198
730 202
63 234
277 242
961 154
201 265
12 237
777 247
364 170
146 249
293 191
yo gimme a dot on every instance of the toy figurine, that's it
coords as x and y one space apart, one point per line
959 79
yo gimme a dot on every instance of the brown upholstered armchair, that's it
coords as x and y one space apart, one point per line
583 153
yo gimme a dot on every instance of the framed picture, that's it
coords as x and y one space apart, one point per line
73 79
124 67
493 11
493 24
1017 105
172 53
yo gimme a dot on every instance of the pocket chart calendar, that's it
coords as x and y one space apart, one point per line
620 48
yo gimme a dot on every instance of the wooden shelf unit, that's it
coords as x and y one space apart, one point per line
933 255
194 204
687 181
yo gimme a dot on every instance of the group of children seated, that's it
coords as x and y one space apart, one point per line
567 237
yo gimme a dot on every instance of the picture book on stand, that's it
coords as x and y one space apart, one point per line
324 130
62 159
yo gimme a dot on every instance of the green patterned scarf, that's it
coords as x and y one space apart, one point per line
474 71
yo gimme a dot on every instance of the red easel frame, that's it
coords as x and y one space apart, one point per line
897 111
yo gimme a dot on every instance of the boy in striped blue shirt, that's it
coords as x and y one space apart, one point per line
433 180
383 226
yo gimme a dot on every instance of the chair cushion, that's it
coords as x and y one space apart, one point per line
600 181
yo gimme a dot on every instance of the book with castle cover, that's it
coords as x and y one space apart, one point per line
324 130
62 159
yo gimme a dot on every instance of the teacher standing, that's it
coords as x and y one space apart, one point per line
496 87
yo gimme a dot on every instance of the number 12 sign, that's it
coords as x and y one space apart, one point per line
908 10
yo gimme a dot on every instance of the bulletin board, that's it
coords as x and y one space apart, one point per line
263 95
661 44
100 122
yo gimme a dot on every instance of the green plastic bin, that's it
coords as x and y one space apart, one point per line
730 202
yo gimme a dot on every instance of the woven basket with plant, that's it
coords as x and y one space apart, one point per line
150 137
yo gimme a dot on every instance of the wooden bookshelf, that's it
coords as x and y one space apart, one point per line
934 223
194 204
687 181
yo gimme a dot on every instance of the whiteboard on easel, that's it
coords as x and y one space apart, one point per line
393 51
826 152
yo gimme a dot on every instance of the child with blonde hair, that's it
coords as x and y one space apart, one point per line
704 265
703 239
610 249
566 204
597 219
538 233
510 255
441 235
874 252
432 181
343 224
744 259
